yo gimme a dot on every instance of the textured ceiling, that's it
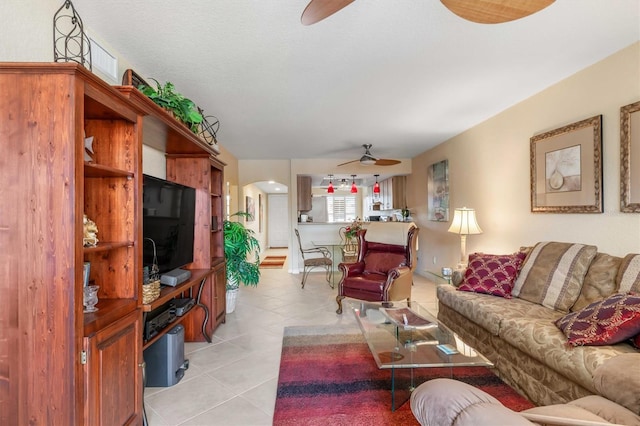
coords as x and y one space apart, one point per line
401 75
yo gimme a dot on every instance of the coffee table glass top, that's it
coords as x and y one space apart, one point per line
423 342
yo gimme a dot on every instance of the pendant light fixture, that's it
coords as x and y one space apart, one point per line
354 188
376 186
330 189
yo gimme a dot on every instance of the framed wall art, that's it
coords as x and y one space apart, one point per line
566 169
438 191
630 158
250 208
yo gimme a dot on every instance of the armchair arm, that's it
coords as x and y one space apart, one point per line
351 268
398 285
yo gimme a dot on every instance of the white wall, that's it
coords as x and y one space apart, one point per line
255 193
489 170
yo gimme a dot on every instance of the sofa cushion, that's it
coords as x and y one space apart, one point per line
543 341
488 311
592 407
600 281
491 273
553 273
618 379
628 278
609 321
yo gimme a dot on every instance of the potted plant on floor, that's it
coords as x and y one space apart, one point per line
242 252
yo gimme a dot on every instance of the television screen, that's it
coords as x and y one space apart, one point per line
168 211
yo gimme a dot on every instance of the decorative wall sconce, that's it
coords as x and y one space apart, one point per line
70 42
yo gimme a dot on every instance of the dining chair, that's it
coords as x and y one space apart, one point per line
313 258
349 246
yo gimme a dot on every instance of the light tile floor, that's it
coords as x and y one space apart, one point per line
233 380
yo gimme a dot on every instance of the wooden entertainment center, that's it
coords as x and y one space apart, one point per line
59 365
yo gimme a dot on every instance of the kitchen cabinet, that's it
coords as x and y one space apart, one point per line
393 193
304 193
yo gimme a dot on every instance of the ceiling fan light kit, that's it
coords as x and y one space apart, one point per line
369 160
478 11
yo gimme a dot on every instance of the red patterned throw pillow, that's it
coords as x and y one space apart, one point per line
609 321
491 273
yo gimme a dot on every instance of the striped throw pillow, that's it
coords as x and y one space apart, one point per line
628 278
553 273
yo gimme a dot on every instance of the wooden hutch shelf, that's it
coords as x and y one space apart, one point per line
60 365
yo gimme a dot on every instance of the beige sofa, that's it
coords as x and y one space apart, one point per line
531 353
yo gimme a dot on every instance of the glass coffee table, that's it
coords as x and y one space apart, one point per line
404 338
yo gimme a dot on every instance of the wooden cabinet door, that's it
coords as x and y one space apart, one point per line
113 373
399 190
304 193
220 290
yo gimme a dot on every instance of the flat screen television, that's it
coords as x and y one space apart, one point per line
168 215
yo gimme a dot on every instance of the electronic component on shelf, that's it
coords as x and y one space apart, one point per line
183 305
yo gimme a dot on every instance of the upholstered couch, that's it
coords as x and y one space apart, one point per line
520 336
446 402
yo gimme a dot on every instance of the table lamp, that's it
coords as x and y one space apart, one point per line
464 223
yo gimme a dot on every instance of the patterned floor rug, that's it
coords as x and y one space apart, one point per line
273 262
328 377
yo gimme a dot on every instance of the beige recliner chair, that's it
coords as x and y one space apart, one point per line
446 402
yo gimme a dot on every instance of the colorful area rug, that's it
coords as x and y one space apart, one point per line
273 262
329 377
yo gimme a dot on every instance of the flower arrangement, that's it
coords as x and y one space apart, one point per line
353 229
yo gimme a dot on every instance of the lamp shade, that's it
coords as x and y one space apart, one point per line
464 222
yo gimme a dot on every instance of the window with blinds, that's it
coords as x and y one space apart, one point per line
341 208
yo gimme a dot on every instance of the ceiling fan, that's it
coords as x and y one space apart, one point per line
479 11
369 160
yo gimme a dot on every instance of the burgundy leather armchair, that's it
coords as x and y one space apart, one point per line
384 270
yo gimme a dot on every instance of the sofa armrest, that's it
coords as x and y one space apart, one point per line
618 379
450 402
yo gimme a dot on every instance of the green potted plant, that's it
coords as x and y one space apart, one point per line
242 252
166 97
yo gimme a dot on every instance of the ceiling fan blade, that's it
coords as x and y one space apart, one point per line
494 11
348 162
317 10
386 162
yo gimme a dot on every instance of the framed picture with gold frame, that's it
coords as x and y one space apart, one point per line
566 169
630 158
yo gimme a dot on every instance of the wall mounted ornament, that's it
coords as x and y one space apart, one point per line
630 158
566 169
70 42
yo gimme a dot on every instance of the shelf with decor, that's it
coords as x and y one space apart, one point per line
53 108
190 161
